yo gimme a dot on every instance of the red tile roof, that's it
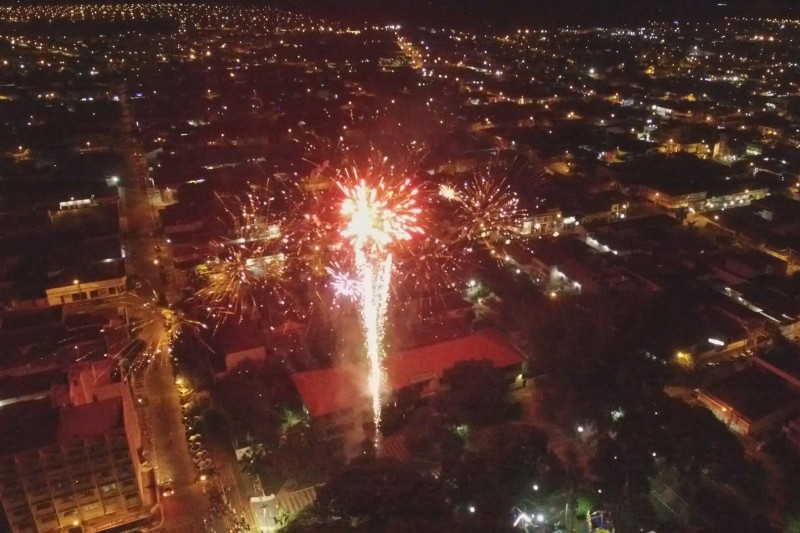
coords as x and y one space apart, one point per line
408 367
331 389
335 389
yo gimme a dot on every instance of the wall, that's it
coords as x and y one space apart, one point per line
69 293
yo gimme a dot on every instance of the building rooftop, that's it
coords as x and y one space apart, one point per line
237 336
788 363
405 368
87 274
330 390
675 174
90 419
33 383
27 426
335 389
31 318
754 393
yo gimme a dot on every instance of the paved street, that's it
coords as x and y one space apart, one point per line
149 262
167 449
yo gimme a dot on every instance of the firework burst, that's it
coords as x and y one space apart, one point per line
359 233
377 212
344 285
485 210
251 262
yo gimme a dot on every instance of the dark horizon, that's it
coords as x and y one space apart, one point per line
510 14
516 13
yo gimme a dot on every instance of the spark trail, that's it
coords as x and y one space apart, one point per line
376 216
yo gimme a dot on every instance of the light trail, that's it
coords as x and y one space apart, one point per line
375 217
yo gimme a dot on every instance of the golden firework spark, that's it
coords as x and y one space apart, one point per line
376 213
251 262
485 210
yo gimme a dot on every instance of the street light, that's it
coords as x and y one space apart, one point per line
77 282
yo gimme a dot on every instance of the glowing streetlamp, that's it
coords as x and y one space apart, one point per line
77 283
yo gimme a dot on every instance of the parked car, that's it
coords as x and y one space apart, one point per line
166 488
204 465
201 455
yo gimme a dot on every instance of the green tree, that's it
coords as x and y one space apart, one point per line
375 495
499 470
698 442
475 394
253 397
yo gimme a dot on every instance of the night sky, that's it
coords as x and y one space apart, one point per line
514 13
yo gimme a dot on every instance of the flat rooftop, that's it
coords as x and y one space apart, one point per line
30 425
27 426
786 362
755 393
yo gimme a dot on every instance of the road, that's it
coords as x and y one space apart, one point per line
165 443
148 259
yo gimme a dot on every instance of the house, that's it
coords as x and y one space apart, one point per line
561 265
751 402
236 343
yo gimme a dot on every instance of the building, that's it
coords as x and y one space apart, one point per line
557 265
86 258
87 282
70 459
236 343
336 398
751 402
750 264
545 222
784 365
682 181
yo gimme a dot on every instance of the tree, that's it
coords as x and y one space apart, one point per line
499 470
297 450
253 396
252 461
372 495
698 442
397 414
476 393
793 523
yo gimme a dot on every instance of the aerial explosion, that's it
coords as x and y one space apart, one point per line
363 236
486 210
251 261
376 215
